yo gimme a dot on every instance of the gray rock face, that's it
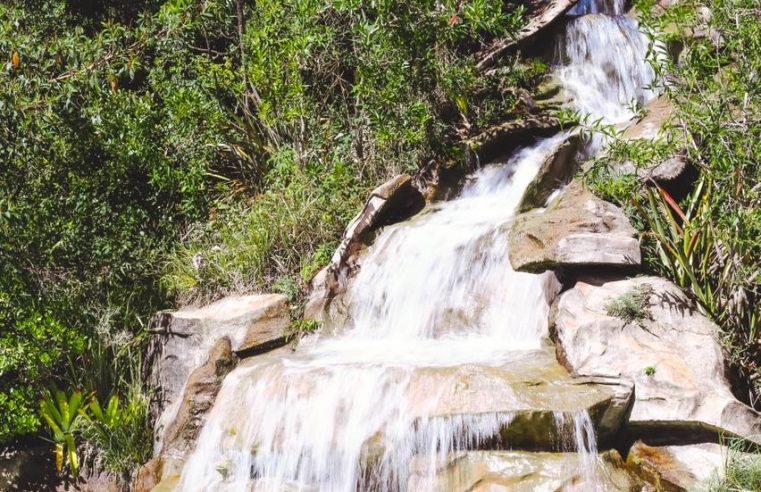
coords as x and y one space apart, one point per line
576 229
198 397
393 201
182 340
666 347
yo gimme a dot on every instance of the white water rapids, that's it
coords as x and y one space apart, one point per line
348 412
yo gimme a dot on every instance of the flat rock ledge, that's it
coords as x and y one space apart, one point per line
528 403
647 330
576 229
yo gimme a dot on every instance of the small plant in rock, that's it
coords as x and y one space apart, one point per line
650 371
633 306
119 432
302 327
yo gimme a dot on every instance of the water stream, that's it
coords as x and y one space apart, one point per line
433 295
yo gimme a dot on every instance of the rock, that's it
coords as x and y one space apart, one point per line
677 468
651 127
532 397
198 397
391 202
148 475
29 467
576 229
657 112
543 13
669 349
500 139
441 180
521 471
182 339
556 170
550 94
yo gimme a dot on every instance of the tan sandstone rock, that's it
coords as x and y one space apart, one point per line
671 352
576 229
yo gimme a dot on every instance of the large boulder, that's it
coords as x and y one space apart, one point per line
198 397
187 419
391 202
576 229
181 341
647 330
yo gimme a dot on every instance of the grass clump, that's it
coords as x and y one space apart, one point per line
632 306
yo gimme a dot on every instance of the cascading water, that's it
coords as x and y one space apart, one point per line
350 412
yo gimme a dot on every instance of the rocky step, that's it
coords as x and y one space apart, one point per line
529 403
521 471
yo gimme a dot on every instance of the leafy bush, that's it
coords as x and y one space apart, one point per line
340 96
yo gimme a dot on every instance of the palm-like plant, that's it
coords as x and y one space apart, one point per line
62 415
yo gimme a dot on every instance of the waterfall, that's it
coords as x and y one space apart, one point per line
355 410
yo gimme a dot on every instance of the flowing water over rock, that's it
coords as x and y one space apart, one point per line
441 338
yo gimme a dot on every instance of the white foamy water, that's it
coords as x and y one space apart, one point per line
602 65
434 294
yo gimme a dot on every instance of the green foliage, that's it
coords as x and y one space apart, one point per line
633 306
742 470
62 415
707 239
650 371
302 327
108 138
341 96
120 434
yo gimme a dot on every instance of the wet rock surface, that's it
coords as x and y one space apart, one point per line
181 341
678 468
576 229
521 471
555 171
660 342
393 201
